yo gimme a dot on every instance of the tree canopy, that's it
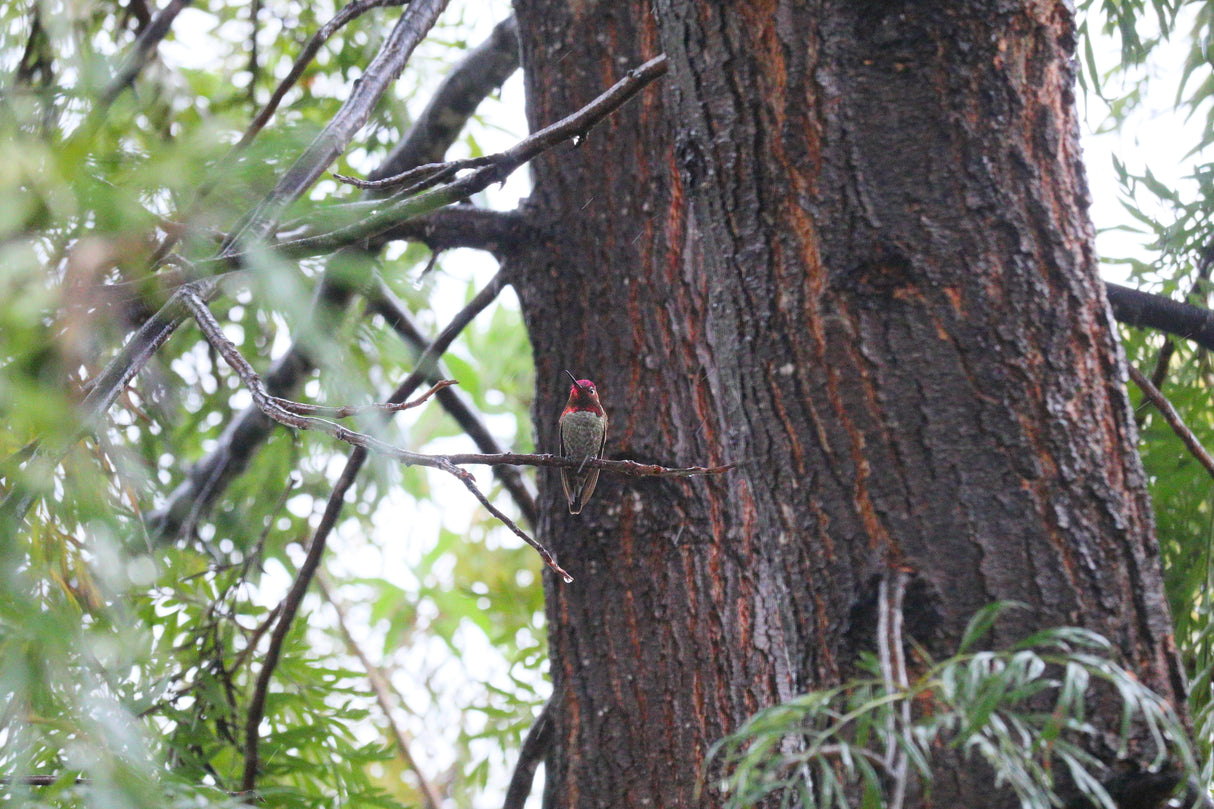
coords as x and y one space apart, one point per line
175 200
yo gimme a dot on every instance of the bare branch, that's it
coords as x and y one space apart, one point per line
302 409
397 316
422 177
270 405
626 468
292 415
570 127
496 232
1144 310
351 11
1173 418
466 478
495 169
287 611
480 73
145 46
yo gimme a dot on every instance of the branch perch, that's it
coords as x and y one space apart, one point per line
269 405
302 409
286 415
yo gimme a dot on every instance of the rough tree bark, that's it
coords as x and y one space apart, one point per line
845 244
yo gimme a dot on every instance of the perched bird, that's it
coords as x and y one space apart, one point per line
583 436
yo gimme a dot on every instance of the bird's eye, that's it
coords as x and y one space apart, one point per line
592 388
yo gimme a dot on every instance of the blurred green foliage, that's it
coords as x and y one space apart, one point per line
127 663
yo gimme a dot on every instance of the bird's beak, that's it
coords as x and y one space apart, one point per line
574 378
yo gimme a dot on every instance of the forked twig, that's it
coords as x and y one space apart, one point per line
303 409
289 416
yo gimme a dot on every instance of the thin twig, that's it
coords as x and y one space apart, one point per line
466 478
570 127
269 405
385 304
302 409
1172 418
478 75
381 686
428 173
626 468
347 14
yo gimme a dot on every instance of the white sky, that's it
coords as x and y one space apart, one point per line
1154 136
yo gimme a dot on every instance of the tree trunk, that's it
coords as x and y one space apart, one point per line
845 245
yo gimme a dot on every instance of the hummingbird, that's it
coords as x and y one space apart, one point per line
583 436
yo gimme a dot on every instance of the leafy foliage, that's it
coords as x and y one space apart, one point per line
1022 711
127 661
1165 50
130 662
